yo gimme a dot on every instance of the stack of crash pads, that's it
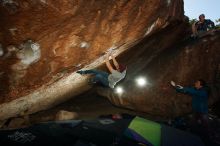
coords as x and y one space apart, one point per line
136 131
154 134
145 131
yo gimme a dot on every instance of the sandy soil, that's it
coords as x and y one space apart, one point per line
87 106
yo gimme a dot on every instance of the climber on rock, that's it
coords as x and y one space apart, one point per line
107 79
200 27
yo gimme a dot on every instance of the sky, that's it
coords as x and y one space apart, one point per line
211 8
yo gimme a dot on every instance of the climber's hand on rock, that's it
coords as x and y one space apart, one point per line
107 56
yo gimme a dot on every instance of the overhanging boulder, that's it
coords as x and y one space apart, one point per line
72 35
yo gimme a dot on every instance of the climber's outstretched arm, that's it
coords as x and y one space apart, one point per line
109 66
115 62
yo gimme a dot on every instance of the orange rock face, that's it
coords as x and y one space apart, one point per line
71 34
150 36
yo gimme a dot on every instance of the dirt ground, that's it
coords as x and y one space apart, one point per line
87 107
